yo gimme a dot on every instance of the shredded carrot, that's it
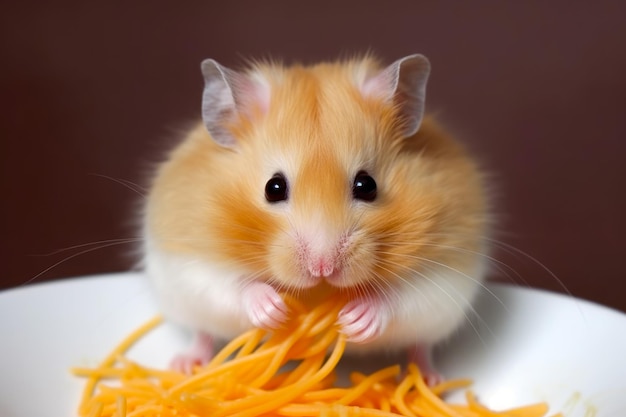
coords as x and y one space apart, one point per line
248 377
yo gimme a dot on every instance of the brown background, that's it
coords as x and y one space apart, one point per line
92 94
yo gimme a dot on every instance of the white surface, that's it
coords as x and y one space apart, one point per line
523 346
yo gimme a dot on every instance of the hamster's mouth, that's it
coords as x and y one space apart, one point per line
308 285
307 280
336 279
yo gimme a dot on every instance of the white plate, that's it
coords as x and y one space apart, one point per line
528 346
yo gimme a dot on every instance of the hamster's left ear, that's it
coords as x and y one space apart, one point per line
229 95
404 82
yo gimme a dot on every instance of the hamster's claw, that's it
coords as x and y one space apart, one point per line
362 320
264 306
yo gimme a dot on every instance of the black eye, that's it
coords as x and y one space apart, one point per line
364 187
276 189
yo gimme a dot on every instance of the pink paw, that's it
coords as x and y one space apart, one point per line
422 356
264 306
433 378
362 320
199 354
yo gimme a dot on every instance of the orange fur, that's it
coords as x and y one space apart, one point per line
212 196
208 201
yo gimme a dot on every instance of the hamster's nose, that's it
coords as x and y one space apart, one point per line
321 266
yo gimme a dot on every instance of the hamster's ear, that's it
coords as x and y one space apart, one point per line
404 82
227 96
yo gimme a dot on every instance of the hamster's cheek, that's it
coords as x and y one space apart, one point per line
358 263
285 266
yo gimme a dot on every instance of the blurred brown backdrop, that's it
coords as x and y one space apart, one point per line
93 94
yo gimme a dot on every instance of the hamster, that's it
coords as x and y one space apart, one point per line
317 177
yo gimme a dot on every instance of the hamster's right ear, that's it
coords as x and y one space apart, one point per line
404 82
229 95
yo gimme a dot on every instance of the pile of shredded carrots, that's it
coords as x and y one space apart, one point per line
288 372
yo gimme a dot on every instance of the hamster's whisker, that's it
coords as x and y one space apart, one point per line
248 260
382 263
456 271
251 230
389 291
107 244
101 243
471 307
136 188
502 267
384 286
443 291
515 251
433 281
221 240
247 279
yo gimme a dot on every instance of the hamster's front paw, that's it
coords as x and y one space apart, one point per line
362 320
264 306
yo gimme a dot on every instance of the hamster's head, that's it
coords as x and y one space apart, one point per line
327 173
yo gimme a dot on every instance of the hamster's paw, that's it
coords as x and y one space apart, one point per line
198 354
433 378
421 356
264 306
362 320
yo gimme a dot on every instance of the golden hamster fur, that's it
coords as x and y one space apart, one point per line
308 178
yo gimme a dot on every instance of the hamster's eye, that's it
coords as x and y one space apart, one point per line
364 187
276 188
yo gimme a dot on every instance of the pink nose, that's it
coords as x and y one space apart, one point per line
321 267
